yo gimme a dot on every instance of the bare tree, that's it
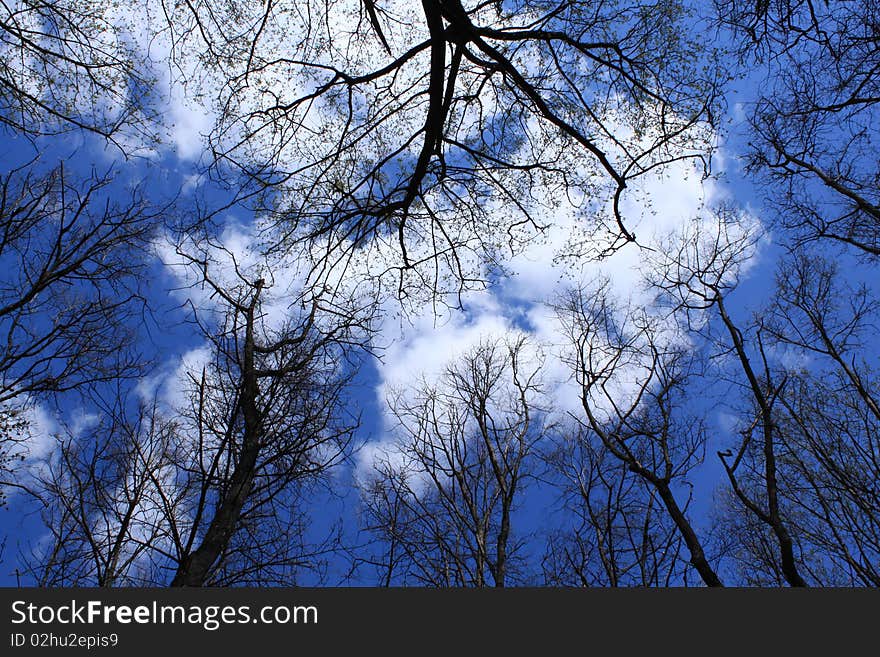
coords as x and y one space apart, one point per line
104 495
70 301
69 284
696 277
615 531
14 432
69 65
409 149
208 490
268 414
633 376
815 124
434 136
762 430
826 415
442 500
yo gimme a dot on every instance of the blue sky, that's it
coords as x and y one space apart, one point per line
417 340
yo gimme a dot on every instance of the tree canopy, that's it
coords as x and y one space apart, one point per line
447 293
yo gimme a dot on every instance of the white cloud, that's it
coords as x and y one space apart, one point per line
654 205
419 346
43 428
679 199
